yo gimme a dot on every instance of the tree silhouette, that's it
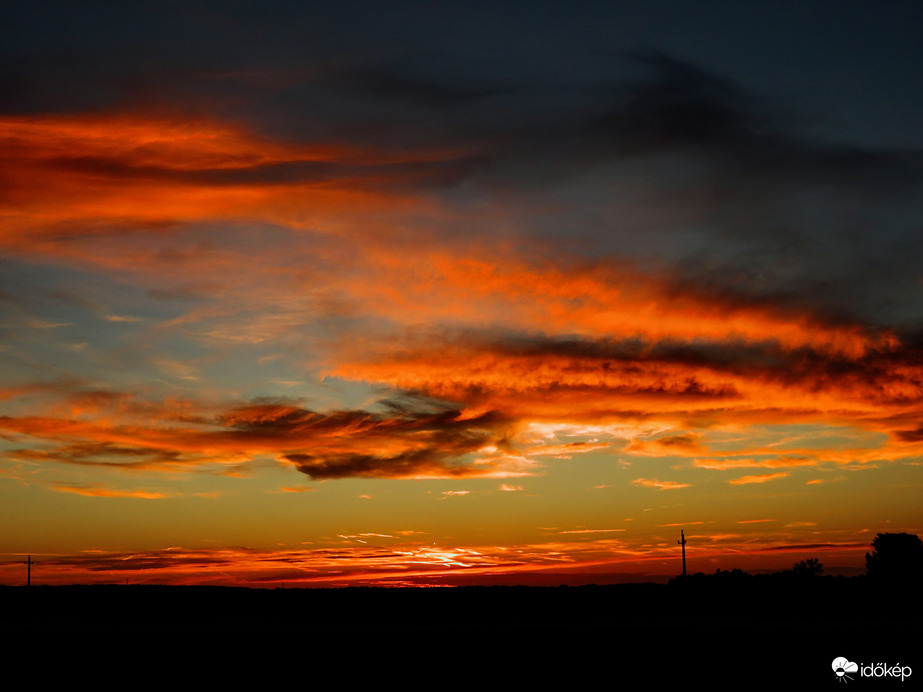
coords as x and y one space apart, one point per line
808 568
895 556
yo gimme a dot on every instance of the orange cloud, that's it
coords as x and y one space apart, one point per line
725 463
660 485
564 451
509 340
99 491
811 373
759 478
75 171
611 300
454 493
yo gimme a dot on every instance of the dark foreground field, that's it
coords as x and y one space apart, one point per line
712 630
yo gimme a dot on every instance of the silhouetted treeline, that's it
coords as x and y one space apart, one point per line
716 623
721 596
895 557
895 560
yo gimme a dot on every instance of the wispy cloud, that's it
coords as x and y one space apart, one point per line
758 478
660 485
99 491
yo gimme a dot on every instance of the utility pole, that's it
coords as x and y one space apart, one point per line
29 571
683 543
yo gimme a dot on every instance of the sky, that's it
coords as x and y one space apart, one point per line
438 293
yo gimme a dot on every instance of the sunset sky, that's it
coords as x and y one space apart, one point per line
323 294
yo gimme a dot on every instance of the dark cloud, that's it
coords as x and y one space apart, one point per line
144 560
395 85
408 435
399 174
703 181
911 435
430 462
884 371
336 445
689 440
107 455
678 105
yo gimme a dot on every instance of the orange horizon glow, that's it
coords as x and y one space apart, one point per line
420 565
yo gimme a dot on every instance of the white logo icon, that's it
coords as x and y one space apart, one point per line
842 666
